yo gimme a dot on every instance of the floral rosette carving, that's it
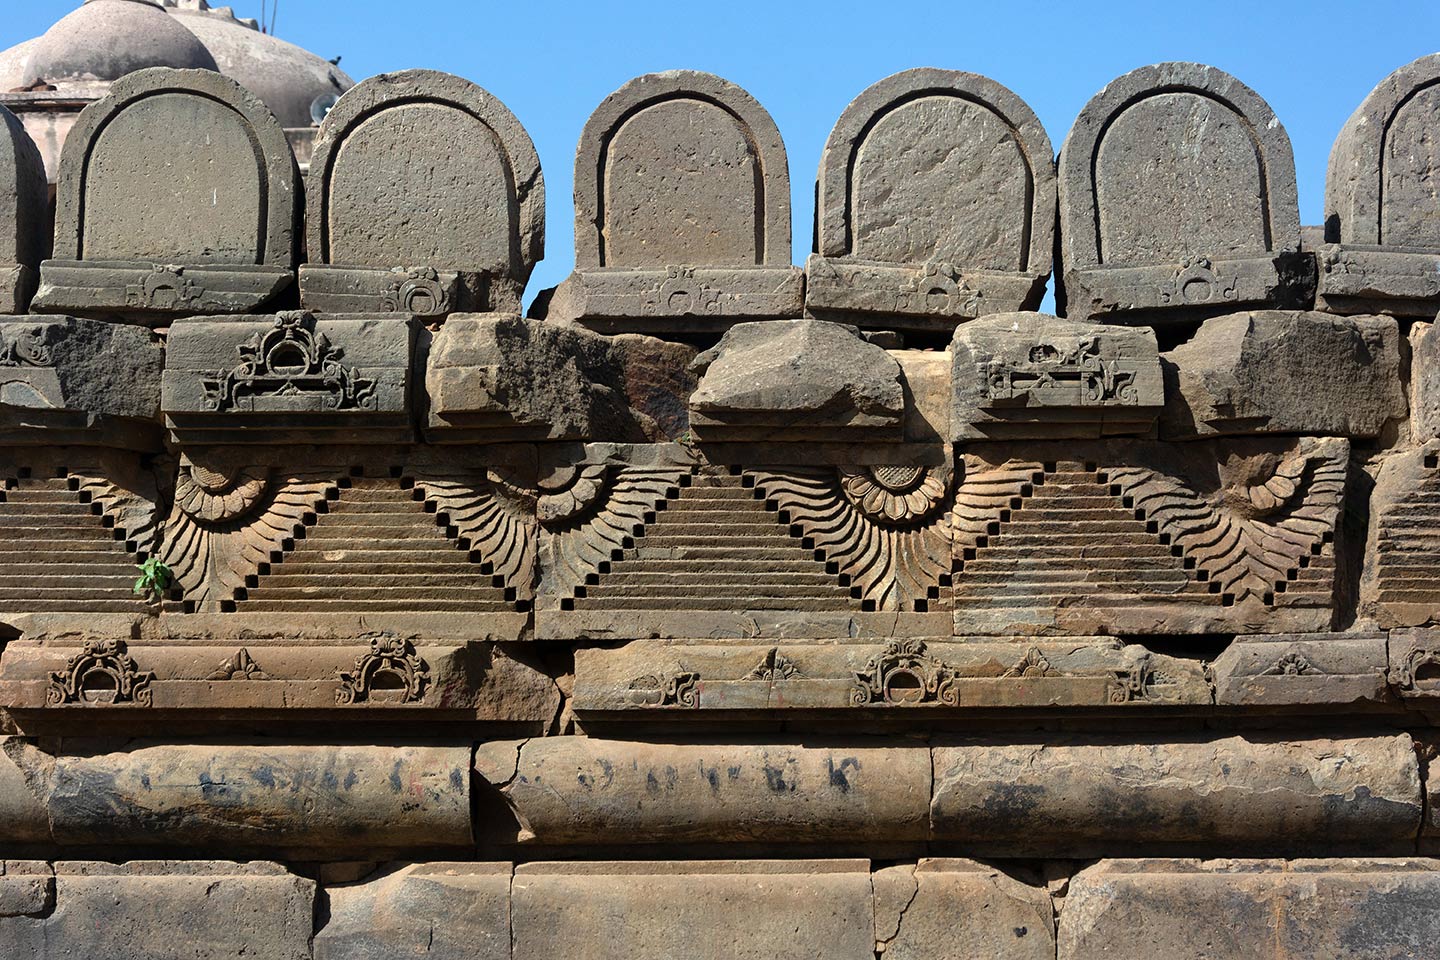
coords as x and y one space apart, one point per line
215 494
570 493
893 495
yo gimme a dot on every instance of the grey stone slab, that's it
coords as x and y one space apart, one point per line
1303 670
444 911
24 198
1178 200
797 379
428 173
584 790
936 204
1400 584
1382 208
177 194
682 211
1252 909
345 378
950 909
718 910
1280 371
68 380
1084 797
1032 376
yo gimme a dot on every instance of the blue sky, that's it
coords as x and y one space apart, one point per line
552 63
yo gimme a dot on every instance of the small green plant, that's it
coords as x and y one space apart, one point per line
154 579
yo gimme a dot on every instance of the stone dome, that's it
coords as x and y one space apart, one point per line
106 39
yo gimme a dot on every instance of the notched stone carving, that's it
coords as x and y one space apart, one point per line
129 243
103 673
1401 583
425 197
1178 201
936 205
682 211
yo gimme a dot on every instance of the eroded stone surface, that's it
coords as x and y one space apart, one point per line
945 908
444 911
1316 670
23 219
1401 582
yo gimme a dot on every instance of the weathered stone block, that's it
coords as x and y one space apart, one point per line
1026 375
1382 208
276 800
1303 670
445 911
1178 200
944 909
1424 381
797 380
581 790
1415 665
300 377
1081 798
24 198
682 211
1274 371
425 197
1400 586
1252 909
177 195
720 910
936 204
67 380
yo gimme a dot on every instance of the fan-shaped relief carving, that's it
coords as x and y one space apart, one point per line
228 520
984 499
1254 533
590 513
884 528
130 512
491 514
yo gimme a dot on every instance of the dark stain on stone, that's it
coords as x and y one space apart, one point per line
839 777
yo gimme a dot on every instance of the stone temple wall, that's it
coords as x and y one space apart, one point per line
721 608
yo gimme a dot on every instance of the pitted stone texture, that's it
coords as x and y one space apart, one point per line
177 195
1279 371
1303 670
251 798
944 909
24 199
67 380
443 911
1028 375
23 819
582 790
1178 200
718 910
1252 910
1425 381
1093 797
797 380
1400 586
936 204
1382 201
421 170
682 211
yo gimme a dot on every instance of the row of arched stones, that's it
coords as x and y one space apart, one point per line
938 200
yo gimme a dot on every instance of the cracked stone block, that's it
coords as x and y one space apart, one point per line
936 205
443 911
24 198
718 910
1090 797
949 909
1252 909
1425 381
1178 201
1296 670
424 197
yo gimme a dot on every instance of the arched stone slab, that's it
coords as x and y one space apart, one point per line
425 196
682 211
1178 201
1382 200
177 196
936 204
23 200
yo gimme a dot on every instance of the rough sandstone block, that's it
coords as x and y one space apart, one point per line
719 910
1031 376
1089 797
1252 909
1274 371
581 790
1400 586
24 198
443 911
1425 381
1303 670
425 197
936 204
1178 201
944 909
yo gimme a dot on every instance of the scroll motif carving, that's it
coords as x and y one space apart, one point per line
939 288
1197 282
905 675
1079 376
102 673
241 666
775 666
290 359
24 347
418 291
653 690
392 672
165 288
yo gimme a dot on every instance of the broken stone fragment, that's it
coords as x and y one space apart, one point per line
444 911
1303 670
1281 371
797 380
1425 381
1400 585
950 908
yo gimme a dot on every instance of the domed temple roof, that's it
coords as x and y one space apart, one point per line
106 39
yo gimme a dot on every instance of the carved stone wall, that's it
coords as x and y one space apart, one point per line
721 607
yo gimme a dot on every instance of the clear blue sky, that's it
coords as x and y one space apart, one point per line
552 63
